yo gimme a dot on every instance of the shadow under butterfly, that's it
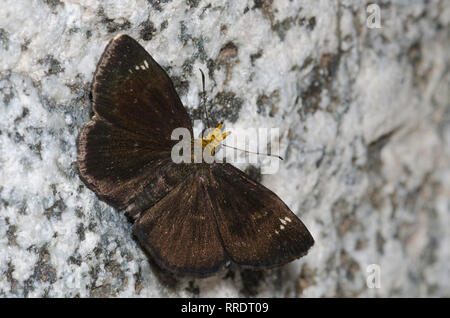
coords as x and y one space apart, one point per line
191 218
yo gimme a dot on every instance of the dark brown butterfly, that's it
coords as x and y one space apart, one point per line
191 218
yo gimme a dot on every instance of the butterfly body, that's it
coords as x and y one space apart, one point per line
191 218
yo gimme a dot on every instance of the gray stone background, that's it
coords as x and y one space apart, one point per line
363 114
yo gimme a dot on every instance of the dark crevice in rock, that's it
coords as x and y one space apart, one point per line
251 280
111 25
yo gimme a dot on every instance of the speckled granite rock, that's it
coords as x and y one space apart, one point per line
365 131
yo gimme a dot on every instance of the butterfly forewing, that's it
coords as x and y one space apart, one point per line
132 91
128 140
257 228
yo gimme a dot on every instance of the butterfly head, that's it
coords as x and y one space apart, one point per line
214 138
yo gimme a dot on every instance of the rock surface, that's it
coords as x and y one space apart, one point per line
363 114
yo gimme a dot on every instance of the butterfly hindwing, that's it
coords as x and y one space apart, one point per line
180 231
119 165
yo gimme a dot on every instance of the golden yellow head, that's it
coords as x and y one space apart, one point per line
213 139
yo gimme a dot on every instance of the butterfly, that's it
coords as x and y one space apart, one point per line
190 218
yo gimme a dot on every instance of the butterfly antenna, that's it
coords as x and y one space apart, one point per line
204 99
256 153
